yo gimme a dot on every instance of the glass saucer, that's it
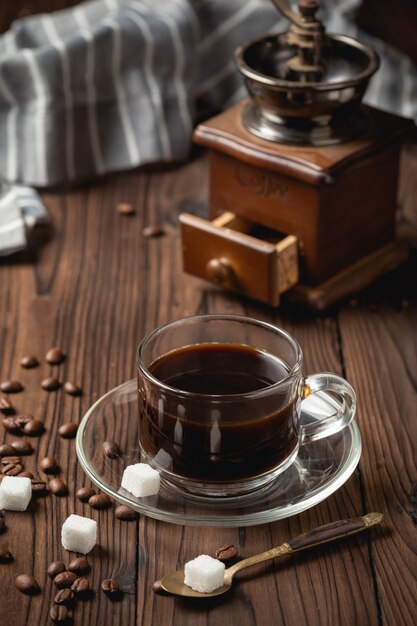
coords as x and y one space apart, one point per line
320 468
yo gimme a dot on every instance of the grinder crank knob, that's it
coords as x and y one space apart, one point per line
219 271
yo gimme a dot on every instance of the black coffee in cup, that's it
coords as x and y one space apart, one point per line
231 436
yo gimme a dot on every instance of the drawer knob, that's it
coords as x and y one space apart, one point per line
218 271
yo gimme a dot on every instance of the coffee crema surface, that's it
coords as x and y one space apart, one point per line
216 435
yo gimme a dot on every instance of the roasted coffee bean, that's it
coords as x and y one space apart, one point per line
26 474
226 552
125 208
157 587
49 465
71 389
11 386
153 231
64 579
64 596
39 487
58 613
27 584
55 568
100 501
58 487
10 459
111 449
5 555
80 585
6 450
2 526
6 407
33 428
79 565
11 426
50 384
85 493
55 356
68 430
22 447
13 469
125 513
23 419
110 586
29 361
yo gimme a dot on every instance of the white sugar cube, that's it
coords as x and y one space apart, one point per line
79 534
15 493
141 480
204 573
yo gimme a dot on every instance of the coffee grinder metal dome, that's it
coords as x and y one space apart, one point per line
303 176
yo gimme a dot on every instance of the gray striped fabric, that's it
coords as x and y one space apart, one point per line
112 84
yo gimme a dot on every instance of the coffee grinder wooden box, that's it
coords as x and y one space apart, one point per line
303 179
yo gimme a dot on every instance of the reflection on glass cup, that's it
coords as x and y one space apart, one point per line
220 399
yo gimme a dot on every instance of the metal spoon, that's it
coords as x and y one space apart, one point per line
174 583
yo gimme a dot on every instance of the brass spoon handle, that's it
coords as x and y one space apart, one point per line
322 534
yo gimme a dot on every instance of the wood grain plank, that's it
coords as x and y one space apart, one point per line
384 375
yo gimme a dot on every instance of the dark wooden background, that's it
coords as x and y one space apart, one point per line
94 285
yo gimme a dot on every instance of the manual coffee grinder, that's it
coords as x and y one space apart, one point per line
303 177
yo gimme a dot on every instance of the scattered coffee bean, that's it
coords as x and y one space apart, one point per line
58 487
12 469
10 424
68 430
26 474
55 568
157 587
125 513
49 465
5 554
10 459
22 420
226 552
153 231
33 428
125 208
100 501
85 493
64 579
111 449
50 384
6 407
39 487
27 584
55 356
110 587
79 565
71 389
58 613
6 449
80 585
29 361
2 526
11 386
64 596
22 447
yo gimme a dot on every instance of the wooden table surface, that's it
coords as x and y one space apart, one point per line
94 285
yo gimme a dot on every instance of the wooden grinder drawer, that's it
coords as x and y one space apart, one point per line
239 255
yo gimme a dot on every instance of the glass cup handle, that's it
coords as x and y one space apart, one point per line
341 397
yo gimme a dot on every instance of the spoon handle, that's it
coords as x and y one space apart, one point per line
322 534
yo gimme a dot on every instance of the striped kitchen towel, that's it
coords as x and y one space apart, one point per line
112 84
20 210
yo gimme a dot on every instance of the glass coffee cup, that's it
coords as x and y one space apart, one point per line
220 403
